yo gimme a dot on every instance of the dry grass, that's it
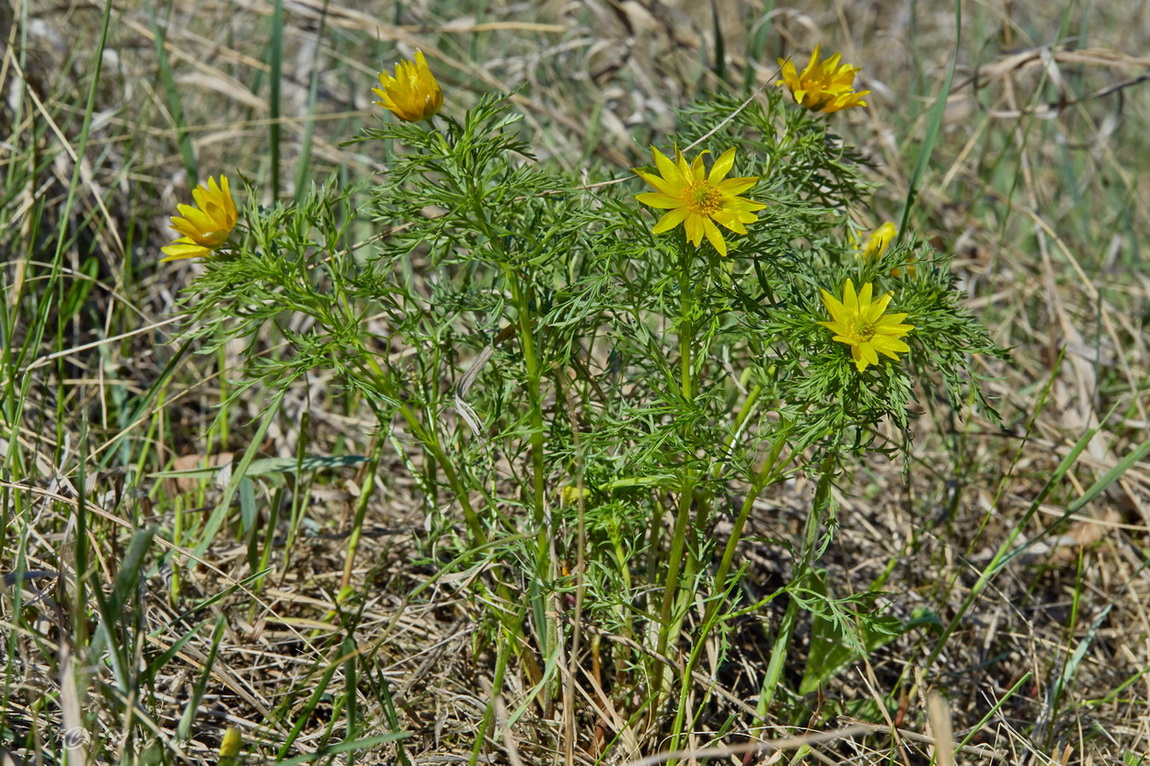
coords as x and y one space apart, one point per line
1035 185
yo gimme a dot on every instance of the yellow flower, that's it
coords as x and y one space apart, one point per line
699 201
413 93
206 226
877 243
825 87
879 239
861 323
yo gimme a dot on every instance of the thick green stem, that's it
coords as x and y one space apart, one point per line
534 389
547 629
749 405
360 514
489 713
624 609
430 441
678 543
767 474
522 301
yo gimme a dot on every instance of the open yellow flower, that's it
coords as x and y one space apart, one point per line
823 87
862 324
413 94
697 200
206 226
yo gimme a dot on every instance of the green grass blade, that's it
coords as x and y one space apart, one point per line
720 45
934 123
1006 551
303 164
129 576
184 728
172 93
216 520
275 101
305 712
367 743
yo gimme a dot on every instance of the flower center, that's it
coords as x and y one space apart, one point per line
704 197
862 330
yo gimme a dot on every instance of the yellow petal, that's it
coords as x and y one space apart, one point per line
722 166
835 306
867 353
659 200
714 236
879 240
693 226
850 299
889 346
661 184
177 251
670 220
736 186
667 169
731 221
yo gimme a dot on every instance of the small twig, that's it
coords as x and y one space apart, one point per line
980 751
767 746
76 349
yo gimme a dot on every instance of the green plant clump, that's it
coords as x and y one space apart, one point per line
585 393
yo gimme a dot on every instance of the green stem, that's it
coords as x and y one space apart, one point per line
667 625
522 302
768 473
427 437
678 543
744 415
365 491
548 630
430 441
489 713
624 609
534 392
686 327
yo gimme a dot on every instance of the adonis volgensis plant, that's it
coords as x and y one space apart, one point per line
551 355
